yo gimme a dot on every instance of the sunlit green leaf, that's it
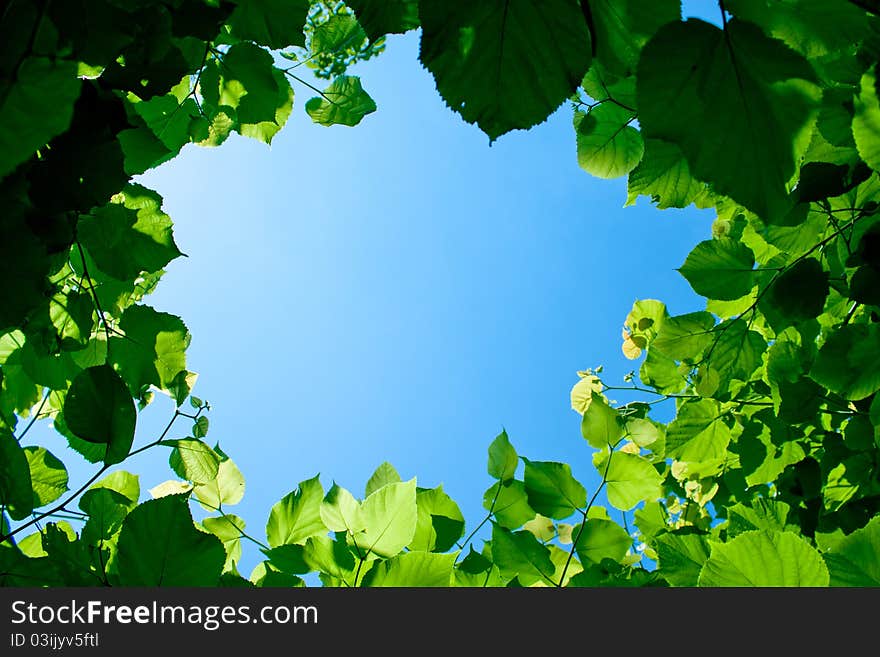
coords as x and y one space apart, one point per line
422 569
297 516
760 558
344 102
48 475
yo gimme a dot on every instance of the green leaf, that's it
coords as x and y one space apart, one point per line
720 269
228 529
840 365
680 557
381 17
629 479
733 91
339 33
552 490
129 235
607 145
599 425
511 503
169 119
153 351
761 513
413 569
814 28
273 23
390 516
35 106
797 294
340 511
122 482
48 475
440 522
288 559
107 510
503 459
265 575
16 492
248 83
663 175
520 555
98 409
737 352
160 546
602 539
226 489
297 516
384 474
621 28
866 122
760 558
662 373
331 557
504 65
685 337
344 102
766 448
193 460
855 560
698 432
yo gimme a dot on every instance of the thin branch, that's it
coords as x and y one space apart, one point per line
586 513
36 415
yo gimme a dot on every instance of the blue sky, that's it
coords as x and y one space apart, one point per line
401 291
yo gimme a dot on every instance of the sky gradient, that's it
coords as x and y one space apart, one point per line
400 291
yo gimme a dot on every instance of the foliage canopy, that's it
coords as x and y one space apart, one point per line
767 475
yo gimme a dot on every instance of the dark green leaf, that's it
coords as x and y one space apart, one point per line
504 65
153 351
160 546
552 490
520 555
381 17
734 91
842 362
273 23
129 235
16 493
98 409
36 105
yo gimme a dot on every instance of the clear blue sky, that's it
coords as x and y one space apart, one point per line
400 291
